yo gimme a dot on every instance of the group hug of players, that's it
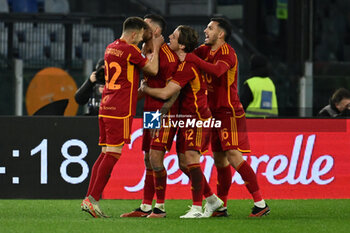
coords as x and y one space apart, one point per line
179 80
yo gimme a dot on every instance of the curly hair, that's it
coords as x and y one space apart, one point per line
188 37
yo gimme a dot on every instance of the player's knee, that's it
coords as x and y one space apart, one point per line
182 162
220 160
156 163
183 166
146 159
234 157
233 154
158 168
192 156
156 159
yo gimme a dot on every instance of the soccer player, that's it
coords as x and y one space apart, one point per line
154 147
193 103
123 60
228 143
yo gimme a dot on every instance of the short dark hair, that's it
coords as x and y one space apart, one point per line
340 94
225 25
188 37
158 19
134 23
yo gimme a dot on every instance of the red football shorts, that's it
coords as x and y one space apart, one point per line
162 141
114 132
232 135
193 139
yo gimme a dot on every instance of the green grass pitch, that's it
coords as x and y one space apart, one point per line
48 216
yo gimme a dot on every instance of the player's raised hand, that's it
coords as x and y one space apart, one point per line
147 35
158 41
147 47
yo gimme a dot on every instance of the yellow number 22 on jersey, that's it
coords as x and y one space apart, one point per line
111 84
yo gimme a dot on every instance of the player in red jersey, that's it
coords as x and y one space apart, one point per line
193 104
228 143
154 147
123 60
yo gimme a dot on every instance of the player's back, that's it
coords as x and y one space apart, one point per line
168 62
122 79
193 98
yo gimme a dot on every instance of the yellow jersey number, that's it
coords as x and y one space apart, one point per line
111 84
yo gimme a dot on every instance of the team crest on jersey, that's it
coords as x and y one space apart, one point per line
105 99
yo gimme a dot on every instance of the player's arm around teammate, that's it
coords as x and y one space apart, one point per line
155 146
194 103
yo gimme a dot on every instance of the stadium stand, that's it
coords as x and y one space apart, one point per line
24 6
56 6
4 7
84 30
3 43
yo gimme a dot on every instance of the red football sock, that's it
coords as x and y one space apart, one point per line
206 188
103 173
186 172
197 183
249 177
94 172
224 182
160 185
148 189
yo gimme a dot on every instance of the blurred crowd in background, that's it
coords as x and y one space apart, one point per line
306 45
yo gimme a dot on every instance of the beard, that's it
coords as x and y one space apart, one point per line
211 41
